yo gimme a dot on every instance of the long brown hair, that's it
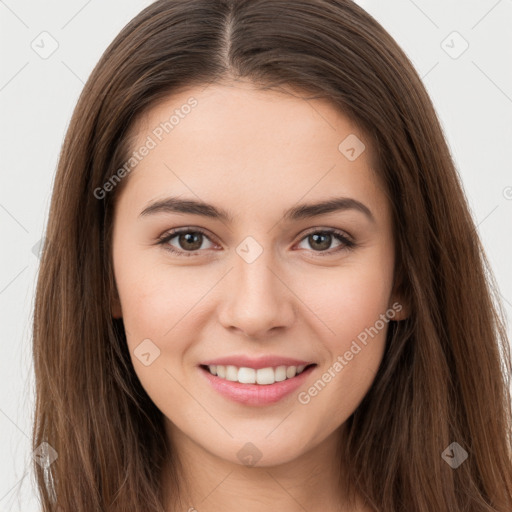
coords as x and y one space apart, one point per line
444 376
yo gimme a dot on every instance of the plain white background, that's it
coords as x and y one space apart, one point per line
471 89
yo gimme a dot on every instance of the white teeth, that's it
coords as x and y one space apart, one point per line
262 376
247 375
280 373
231 373
265 376
291 371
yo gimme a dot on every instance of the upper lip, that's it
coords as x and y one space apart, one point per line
256 362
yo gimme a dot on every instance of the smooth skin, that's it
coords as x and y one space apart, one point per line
255 154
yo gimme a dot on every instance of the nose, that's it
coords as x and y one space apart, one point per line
257 299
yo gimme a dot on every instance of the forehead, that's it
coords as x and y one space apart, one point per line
238 145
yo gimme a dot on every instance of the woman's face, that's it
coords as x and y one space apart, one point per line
257 284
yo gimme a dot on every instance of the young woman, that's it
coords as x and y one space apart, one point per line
262 287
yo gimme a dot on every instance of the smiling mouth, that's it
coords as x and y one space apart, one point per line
261 376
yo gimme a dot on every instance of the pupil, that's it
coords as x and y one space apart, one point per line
326 237
191 238
192 241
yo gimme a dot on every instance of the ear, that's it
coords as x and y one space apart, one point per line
400 308
115 305
399 303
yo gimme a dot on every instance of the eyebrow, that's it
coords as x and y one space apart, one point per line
302 211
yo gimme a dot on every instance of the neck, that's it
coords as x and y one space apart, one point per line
208 483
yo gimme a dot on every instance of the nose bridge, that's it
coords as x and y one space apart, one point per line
252 271
257 300
253 275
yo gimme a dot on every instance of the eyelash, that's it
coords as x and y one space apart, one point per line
339 235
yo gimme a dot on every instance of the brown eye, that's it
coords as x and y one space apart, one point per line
320 241
187 241
191 241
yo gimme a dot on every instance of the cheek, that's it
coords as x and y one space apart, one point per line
158 300
159 307
351 306
349 300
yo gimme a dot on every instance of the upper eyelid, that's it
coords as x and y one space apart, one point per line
191 229
174 232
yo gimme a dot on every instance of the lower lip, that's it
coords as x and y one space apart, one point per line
256 394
